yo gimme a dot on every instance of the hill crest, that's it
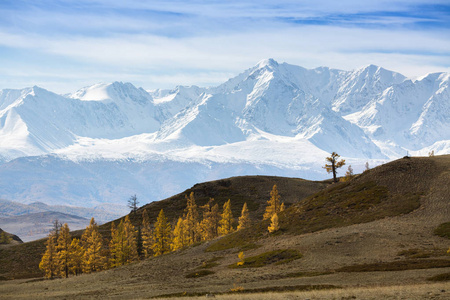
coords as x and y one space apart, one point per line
388 194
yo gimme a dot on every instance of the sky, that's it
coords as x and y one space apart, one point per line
64 45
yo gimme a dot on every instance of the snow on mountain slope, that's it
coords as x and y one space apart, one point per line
412 114
267 99
34 121
173 101
434 120
277 105
361 86
28 122
127 109
109 141
279 99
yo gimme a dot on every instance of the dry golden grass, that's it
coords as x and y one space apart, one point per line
402 241
412 292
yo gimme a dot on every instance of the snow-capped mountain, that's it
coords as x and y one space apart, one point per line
361 86
35 121
412 114
108 141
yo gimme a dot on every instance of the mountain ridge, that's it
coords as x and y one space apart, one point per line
279 99
272 119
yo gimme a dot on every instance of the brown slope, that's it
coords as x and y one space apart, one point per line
389 190
376 244
23 261
254 190
14 239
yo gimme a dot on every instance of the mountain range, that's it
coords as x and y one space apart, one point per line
106 142
33 221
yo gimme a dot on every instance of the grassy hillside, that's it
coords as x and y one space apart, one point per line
10 238
386 227
388 190
23 261
255 190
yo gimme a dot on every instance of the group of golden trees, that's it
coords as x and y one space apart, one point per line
190 228
65 255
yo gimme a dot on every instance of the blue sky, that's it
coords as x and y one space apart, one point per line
65 45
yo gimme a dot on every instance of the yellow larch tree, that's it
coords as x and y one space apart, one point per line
147 235
87 232
76 257
63 249
274 225
162 235
116 245
241 256
215 219
180 238
210 223
348 174
226 223
93 260
122 246
192 219
49 261
244 219
205 224
138 236
131 253
334 164
273 205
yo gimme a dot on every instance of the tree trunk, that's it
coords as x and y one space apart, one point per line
334 171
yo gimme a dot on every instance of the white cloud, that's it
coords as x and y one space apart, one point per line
231 50
210 43
265 8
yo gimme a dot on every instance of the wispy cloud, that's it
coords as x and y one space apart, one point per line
156 43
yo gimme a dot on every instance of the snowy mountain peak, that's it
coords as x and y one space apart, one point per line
96 92
111 140
369 69
112 92
267 63
277 99
373 73
359 87
439 77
